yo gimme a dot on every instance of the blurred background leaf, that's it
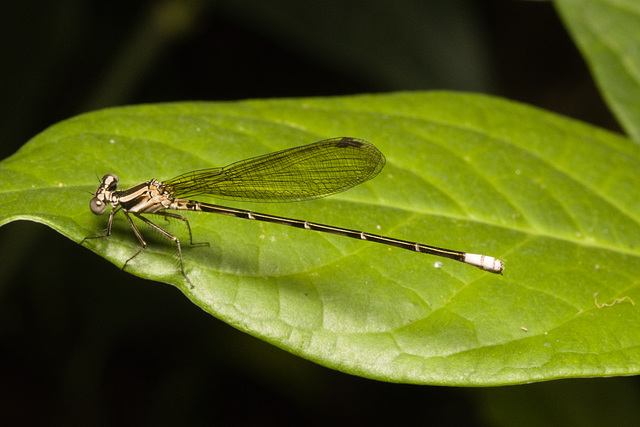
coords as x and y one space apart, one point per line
607 34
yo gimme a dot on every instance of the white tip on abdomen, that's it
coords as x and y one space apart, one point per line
484 262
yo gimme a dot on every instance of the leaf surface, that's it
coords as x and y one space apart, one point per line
555 199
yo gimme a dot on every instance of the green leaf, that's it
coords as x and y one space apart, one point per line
557 200
606 32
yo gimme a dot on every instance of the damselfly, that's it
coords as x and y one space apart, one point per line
302 173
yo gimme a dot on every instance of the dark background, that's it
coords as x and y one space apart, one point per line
82 342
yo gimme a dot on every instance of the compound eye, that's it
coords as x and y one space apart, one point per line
110 181
97 206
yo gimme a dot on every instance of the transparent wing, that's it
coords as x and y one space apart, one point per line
301 173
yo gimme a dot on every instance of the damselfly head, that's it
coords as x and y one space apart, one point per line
109 182
97 206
